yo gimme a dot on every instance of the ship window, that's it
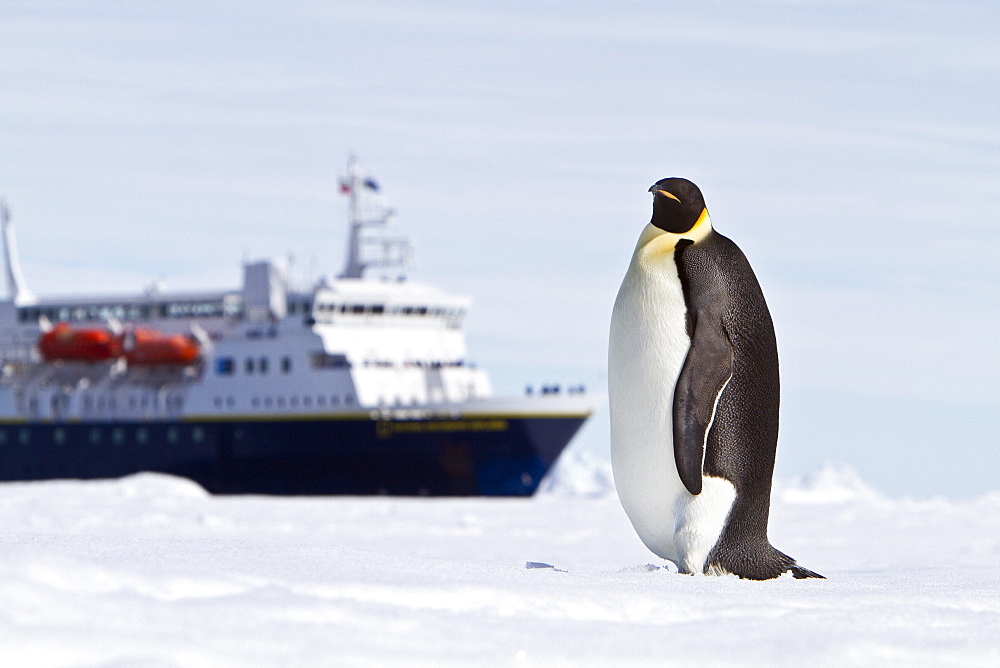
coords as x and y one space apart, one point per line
294 401
141 435
378 309
263 365
230 402
118 435
232 305
323 360
95 435
3 437
218 402
59 436
348 400
255 402
197 434
286 364
249 365
307 401
334 400
321 400
358 308
268 402
24 436
224 366
281 402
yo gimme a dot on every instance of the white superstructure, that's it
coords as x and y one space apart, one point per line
350 344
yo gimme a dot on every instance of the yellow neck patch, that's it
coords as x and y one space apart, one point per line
656 242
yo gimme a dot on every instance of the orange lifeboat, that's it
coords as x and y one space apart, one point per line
148 347
79 345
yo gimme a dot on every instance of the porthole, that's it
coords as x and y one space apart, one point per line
141 436
197 434
95 435
172 435
321 400
59 435
117 435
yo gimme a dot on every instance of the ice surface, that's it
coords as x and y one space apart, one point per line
150 571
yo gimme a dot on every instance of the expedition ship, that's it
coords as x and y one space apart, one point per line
360 385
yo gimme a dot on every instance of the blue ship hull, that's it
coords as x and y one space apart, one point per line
497 455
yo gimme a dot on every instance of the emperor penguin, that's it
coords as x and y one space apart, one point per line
693 395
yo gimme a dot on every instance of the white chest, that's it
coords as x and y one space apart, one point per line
648 346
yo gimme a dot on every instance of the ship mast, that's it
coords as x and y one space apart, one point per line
17 287
388 252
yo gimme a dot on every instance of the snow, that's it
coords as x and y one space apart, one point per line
151 571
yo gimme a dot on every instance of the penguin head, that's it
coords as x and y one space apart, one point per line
678 205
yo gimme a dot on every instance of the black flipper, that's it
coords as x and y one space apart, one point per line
706 370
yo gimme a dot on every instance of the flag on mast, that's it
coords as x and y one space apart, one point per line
369 182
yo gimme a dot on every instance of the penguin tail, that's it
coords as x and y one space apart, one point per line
800 573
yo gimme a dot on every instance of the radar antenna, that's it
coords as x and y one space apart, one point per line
17 287
368 210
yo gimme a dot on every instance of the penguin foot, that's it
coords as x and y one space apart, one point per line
758 561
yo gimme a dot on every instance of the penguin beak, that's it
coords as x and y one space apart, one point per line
657 191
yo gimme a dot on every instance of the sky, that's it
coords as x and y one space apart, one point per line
849 148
